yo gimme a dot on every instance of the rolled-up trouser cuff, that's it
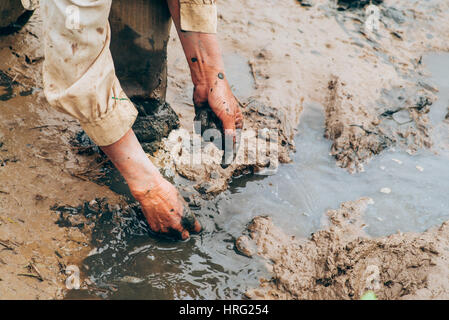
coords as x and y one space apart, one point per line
113 126
198 17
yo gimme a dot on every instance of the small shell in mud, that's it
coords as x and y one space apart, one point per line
419 168
385 190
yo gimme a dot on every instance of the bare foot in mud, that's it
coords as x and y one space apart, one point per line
166 211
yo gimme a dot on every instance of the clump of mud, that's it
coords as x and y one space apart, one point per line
354 129
356 4
342 262
359 132
154 122
409 125
263 143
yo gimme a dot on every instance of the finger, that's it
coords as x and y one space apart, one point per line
189 222
239 119
228 124
185 235
178 233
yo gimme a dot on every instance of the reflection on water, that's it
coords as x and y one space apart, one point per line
131 265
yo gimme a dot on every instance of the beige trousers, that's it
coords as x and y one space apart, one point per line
79 74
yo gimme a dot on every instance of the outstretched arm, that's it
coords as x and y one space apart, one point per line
211 87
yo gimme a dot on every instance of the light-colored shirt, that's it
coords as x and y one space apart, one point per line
198 15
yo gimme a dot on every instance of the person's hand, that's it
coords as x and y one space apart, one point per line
218 95
166 211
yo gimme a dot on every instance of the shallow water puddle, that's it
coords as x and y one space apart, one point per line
409 194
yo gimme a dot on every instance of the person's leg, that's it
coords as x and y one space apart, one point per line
79 79
143 28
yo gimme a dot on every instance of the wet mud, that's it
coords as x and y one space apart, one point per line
38 167
353 129
12 17
263 143
342 262
375 97
154 122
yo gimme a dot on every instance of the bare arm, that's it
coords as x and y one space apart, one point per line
204 57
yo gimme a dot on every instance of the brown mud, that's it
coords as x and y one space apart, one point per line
263 132
296 53
38 169
342 262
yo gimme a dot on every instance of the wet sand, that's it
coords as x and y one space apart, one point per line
291 56
38 170
342 262
368 84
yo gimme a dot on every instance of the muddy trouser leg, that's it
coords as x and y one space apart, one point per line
140 32
79 75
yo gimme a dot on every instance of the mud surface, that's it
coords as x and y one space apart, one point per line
369 94
342 262
155 120
38 169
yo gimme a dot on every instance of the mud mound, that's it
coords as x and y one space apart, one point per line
265 141
359 132
155 120
342 262
354 129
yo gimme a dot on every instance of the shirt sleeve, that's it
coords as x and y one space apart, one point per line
198 15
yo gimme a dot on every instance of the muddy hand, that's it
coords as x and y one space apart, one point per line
218 96
166 211
217 108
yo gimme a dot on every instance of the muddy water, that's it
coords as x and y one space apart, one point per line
409 194
301 192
